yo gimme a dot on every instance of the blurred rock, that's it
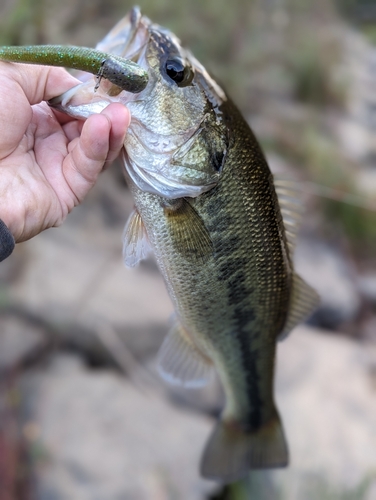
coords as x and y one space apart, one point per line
332 276
11 269
19 339
100 438
326 395
366 181
371 493
369 329
367 287
327 399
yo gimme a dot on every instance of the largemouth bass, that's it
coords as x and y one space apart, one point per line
222 232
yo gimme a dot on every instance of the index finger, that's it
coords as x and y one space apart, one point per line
39 83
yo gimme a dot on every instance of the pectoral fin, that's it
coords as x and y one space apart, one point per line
191 238
180 362
135 241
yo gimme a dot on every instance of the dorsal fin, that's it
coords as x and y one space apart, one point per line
135 241
303 301
289 198
180 362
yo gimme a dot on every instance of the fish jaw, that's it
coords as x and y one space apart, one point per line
80 101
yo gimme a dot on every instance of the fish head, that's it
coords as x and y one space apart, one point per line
177 140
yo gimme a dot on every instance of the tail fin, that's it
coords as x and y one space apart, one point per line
231 452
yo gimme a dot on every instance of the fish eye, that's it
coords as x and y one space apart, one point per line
180 74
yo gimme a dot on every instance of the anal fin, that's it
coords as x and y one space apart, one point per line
304 299
180 362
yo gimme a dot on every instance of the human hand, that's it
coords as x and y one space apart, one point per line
48 161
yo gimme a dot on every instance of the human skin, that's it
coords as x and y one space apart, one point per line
48 161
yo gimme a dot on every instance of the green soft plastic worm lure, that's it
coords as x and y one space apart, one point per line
122 72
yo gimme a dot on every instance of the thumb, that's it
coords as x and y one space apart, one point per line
101 140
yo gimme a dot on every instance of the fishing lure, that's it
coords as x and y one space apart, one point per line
125 74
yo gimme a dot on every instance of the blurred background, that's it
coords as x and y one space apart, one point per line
82 413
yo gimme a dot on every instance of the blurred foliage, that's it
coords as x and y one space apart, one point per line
240 42
358 10
358 223
370 31
362 13
323 163
311 67
22 22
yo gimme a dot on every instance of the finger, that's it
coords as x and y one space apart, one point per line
61 117
40 83
72 130
20 86
83 164
120 118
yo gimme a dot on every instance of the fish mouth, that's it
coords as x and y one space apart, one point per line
127 39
